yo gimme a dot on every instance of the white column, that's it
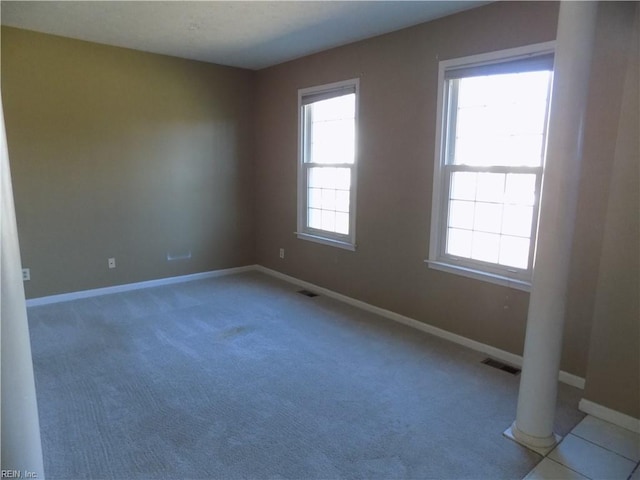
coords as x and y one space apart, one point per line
543 342
21 448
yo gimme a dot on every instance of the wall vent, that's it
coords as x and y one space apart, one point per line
501 366
307 293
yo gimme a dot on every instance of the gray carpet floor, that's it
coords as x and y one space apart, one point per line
242 377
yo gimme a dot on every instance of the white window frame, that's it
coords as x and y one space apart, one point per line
304 232
438 259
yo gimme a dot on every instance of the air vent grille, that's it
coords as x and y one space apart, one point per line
501 366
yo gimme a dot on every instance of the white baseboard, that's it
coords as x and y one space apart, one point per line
608 415
571 379
493 352
65 297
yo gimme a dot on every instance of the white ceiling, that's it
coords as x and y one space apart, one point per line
246 34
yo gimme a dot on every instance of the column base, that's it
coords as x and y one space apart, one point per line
541 445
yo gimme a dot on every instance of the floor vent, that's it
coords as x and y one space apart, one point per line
501 366
307 293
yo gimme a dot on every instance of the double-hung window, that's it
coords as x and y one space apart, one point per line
490 146
327 163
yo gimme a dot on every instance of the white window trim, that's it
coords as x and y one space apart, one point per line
347 242
435 259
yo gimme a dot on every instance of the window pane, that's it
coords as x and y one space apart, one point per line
500 119
525 150
503 88
315 197
463 185
333 141
335 108
315 218
340 178
461 214
342 223
328 220
317 177
459 242
330 177
488 217
332 130
490 187
520 189
502 150
514 252
511 219
485 247
517 220
342 200
474 151
507 212
328 199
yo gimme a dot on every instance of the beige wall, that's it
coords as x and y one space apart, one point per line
398 74
613 376
601 127
125 154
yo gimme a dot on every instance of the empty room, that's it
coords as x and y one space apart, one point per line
320 240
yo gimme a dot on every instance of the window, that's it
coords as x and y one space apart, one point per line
491 139
327 165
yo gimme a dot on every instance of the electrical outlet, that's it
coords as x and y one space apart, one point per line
26 274
282 253
112 263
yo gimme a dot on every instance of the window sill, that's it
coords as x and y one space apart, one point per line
480 275
326 241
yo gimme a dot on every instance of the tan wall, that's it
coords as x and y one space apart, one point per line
613 377
119 153
601 128
398 82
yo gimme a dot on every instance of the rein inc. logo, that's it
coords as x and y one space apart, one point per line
18 474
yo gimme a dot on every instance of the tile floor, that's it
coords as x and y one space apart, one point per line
594 449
